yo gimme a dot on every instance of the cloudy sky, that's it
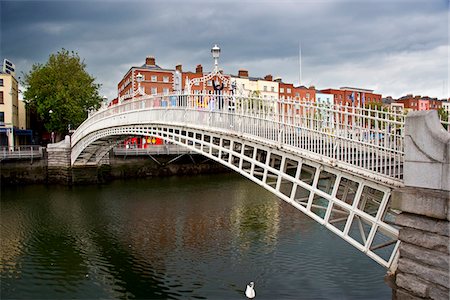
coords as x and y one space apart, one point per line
394 47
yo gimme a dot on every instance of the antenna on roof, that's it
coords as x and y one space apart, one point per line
299 63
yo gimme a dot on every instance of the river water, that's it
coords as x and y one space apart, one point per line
201 237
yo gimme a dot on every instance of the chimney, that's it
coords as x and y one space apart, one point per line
150 61
199 69
243 73
311 87
179 68
268 77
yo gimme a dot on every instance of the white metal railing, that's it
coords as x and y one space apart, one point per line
367 138
21 152
151 150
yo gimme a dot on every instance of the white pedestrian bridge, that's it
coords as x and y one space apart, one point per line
337 164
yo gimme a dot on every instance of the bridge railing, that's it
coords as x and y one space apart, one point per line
21 152
368 138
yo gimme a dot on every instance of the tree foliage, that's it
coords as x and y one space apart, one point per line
61 91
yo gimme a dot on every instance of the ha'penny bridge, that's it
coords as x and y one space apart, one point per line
363 173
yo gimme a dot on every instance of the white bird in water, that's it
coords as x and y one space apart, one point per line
250 291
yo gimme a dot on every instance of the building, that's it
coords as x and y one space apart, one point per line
353 96
304 93
13 118
324 99
411 102
256 86
285 90
446 106
148 79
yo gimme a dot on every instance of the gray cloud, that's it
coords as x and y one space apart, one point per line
396 47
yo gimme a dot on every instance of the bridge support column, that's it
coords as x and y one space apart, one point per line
59 165
424 202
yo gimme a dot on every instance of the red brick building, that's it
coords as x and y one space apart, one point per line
155 80
305 93
353 96
419 103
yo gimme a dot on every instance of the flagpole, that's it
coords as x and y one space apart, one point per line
299 63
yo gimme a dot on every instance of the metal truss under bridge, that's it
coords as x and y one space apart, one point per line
337 164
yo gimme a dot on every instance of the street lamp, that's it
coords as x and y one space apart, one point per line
139 78
215 53
53 133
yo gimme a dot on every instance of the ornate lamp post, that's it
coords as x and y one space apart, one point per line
139 78
53 133
216 53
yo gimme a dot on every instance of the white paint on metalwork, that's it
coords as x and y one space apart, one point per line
359 150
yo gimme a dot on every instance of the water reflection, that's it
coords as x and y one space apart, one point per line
173 238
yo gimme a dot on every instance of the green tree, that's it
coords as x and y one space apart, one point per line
443 116
61 91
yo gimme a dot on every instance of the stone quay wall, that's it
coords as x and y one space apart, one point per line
424 202
55 168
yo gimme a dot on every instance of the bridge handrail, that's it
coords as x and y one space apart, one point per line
21 152
366 137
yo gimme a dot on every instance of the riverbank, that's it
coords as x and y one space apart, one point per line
18 172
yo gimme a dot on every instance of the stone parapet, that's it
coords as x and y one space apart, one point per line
427 151
59 164
424 202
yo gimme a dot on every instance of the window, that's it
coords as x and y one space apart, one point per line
265 88
288 90
166 79
154 78
272 89
197 83
1 97
297 94
1 82
2 118
209 83
307 96
165 91
154 90
281 90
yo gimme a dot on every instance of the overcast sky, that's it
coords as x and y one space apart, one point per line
394 47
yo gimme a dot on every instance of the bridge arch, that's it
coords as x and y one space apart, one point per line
346 203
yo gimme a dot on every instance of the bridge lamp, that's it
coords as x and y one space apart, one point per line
139 78
216 53
53 133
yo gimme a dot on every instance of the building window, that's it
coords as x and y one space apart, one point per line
307 96
2 118
154 78
281 90
297 94
197 83
165 91
288 91
1 82
265 88
154 91
272 89
1 97
209 83
166 79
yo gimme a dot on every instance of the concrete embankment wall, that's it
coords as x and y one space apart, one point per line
23 171
15 172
